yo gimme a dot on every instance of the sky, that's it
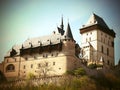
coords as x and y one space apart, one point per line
23 19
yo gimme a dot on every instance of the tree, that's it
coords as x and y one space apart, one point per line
43 69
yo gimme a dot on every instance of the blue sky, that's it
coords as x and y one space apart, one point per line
23 19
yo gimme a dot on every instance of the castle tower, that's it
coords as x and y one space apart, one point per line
69 42
97 42
69 49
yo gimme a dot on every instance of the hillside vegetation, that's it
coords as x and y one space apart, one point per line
79 79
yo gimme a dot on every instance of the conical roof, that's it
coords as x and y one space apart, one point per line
69 33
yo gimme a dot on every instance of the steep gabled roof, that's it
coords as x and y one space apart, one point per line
95 19
68 32
96 22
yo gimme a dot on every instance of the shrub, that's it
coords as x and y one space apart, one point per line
70 72
80 71
92 66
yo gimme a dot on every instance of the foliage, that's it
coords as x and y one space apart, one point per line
77 72
92 66
80 71
31 76
106 81
44 69
70 72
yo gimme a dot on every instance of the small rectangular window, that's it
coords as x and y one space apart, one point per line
26 58
53 63
46 64
39 65
31 65
90 39
24 66
112 44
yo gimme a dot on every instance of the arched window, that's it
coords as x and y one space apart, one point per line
10 68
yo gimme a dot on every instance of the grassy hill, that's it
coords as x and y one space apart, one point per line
83 78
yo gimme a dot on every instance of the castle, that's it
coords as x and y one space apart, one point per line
57 53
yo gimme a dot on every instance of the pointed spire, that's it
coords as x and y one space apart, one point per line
62 26
68 32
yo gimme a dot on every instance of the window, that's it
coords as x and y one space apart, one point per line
52 54
39 65
112 44
89 38
10 67
102 49
26 58
59 68
31 65
108 62
101 39
46 64
87 34
90 32
53 63
24 67
45 55
107 51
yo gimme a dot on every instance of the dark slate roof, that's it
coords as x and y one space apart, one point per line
96 22
38 41
69 33
95 19
43 41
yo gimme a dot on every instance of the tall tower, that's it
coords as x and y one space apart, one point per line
97 42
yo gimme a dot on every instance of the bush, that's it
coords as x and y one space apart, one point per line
70 72
92 66
31 76
80 71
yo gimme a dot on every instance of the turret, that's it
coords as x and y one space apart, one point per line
69 42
